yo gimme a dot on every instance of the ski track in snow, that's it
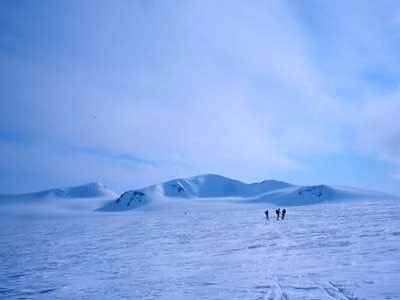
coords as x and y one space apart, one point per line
202 250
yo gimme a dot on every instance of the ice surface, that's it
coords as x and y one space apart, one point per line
204 237
205 250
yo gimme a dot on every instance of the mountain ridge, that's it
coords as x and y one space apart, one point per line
89 190
213 186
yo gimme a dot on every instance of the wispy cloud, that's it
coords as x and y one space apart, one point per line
159 90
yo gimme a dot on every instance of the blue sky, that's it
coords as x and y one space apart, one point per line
131 93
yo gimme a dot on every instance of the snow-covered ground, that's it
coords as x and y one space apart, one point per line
205 249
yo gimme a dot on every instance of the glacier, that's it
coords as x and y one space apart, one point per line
204 243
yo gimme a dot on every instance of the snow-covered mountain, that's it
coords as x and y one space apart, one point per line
90 190
96 196
302 195
216 186
219 249
84 197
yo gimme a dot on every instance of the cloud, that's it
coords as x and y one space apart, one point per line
27 167
379 127
242 89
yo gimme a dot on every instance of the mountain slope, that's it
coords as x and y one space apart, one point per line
84 197
202 186
212 186
304 195
90 190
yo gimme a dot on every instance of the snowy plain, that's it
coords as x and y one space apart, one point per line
204 249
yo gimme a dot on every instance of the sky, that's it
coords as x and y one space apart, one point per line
131 93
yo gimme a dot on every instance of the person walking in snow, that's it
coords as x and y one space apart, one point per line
278 212
283 213
266 214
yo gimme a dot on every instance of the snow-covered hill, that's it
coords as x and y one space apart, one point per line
96 196
202 232
84 197
90 190
206 249
220 187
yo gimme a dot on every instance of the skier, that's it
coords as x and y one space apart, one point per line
266 214
278 212
283 213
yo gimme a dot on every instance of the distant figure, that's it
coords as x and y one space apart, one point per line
266 214
283 213
278 212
